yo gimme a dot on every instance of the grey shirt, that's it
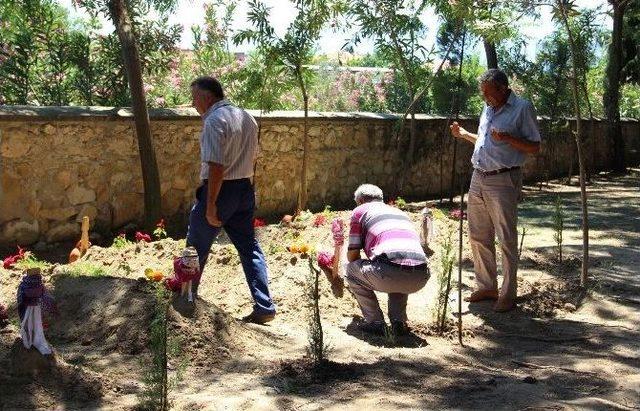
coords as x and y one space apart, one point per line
229 137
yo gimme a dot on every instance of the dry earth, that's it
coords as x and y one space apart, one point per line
562 348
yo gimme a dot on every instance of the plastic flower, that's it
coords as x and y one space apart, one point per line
325 259
259 222
10 261
140 236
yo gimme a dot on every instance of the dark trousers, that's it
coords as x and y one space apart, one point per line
236 203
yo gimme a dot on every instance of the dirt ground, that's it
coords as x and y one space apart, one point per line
562 348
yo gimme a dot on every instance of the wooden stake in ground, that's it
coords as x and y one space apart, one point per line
83 245
460 227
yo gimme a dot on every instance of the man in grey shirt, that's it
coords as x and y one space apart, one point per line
508 131
225 198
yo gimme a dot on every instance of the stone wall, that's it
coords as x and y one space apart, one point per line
60 163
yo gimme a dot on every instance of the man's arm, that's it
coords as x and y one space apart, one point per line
522 145
460 132
216 174
353 255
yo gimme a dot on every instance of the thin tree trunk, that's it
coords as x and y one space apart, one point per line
302 195
491 54
611 97
131 58
583 190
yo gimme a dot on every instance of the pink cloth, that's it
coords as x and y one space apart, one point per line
337 228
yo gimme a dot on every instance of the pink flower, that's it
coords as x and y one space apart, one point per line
319 220
325 259
140 236
337 228
160 101
457 213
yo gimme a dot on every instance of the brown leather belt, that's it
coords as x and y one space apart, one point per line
498 171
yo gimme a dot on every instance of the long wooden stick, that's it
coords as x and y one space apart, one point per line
460 228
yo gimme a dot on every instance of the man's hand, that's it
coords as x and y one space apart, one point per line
500 135
456 130
212 215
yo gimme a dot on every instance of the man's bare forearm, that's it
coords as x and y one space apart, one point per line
216 174
353 255
470 137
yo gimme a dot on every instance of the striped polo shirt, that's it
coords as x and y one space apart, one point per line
229 137
385 232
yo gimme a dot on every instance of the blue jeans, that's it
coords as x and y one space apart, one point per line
236 202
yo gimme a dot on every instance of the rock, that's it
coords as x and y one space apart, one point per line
20 232
569 307
15 145
68 231
89 211
80 195
65 178
58 214
49 129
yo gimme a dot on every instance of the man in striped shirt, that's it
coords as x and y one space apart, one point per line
225 198
396 263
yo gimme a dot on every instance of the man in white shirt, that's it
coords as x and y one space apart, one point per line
508 131
225 198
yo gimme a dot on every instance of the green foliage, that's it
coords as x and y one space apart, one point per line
85 269
121 241
31 261
47 59
444 89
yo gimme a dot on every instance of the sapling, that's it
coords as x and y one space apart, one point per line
524 233
317 347
444 279
558 226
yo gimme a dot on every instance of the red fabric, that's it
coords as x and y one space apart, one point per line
10 261
140 236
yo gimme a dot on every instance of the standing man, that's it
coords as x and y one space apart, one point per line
508 131
226 199
395 263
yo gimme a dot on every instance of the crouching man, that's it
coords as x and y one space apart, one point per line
396 263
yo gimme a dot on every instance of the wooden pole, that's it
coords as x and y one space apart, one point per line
460 228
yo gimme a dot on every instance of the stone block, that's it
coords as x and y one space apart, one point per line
58 213
20 231
67 231
14 144
89 211
80 195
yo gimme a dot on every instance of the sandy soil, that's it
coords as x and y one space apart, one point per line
564 347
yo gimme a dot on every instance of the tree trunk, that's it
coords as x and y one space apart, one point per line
611 98
492 55
131 58
302 194
583 190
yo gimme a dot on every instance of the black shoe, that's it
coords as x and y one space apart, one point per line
258 318
399 328
373 327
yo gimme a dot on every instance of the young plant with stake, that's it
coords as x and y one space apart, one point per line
447 259
317 349
558 227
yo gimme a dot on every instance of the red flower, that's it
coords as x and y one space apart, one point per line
259 222
10 261
160 223
320 220
140 236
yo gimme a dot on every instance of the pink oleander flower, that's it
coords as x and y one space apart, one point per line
325 259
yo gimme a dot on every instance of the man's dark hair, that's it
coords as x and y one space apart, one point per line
495 76
210 84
